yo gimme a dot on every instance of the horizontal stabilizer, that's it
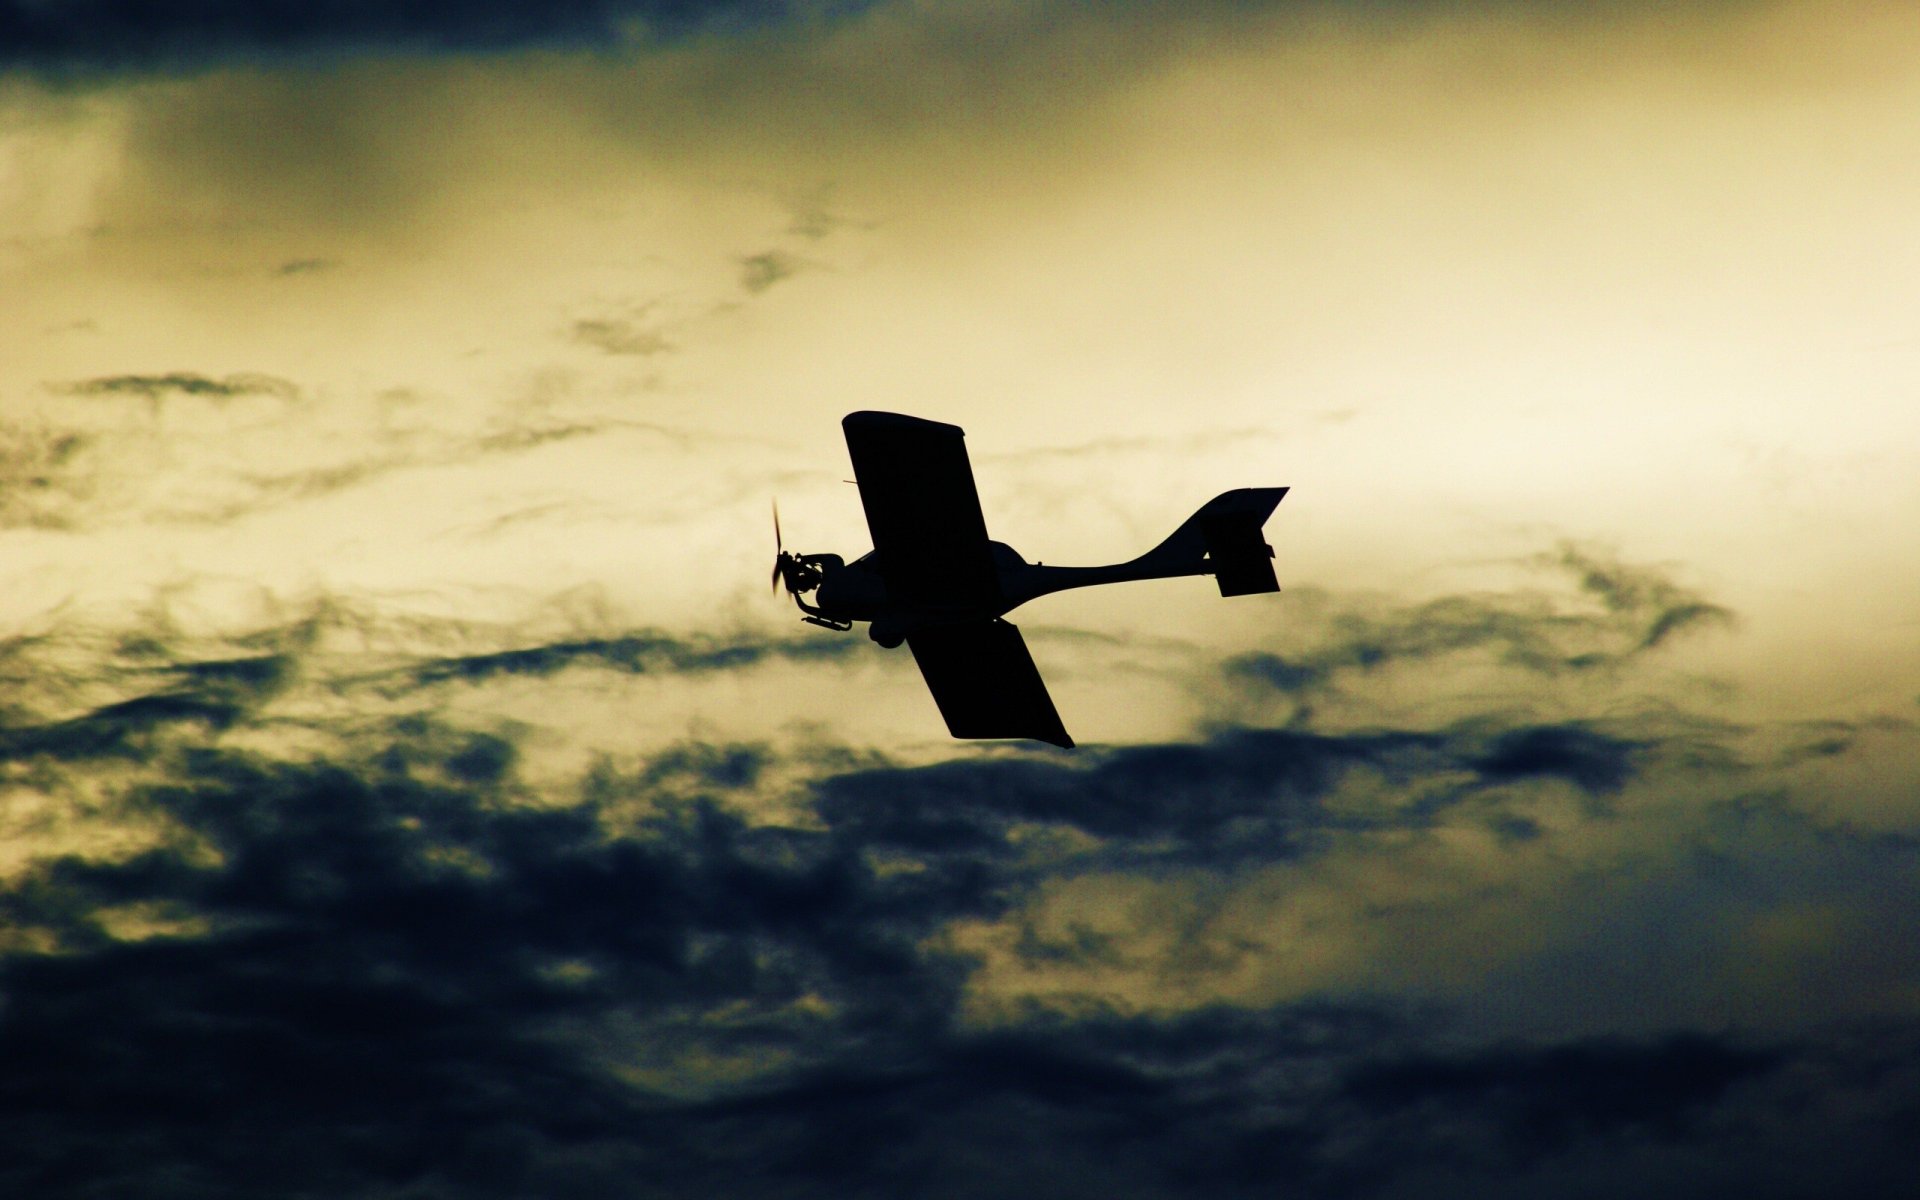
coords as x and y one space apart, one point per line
985 682
1238 557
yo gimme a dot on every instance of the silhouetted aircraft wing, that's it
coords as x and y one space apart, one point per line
985 682
922 509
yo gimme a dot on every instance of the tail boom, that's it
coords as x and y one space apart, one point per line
1221 539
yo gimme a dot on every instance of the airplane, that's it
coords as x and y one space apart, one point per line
935 581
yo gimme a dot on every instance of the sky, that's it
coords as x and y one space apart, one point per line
410 790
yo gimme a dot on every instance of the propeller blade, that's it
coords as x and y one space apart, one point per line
779 550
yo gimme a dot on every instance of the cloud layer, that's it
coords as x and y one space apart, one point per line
256 945
101 33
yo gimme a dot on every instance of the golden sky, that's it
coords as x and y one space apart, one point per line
405 400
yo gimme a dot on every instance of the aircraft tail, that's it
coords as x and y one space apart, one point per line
1223 540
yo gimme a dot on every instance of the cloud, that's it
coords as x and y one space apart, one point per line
1659 606
39 472
1242 798
564 1004
77 697
1595 762
208 695
812 214
153 388
98 33
168 33
758 272
305 266
1128 448
201 454
388 969
619 335
1254 789
290 911
634 654
1541 1099
402 929
1639 610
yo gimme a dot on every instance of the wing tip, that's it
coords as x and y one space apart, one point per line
1059 737
874 419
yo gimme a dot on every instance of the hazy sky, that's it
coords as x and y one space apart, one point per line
408 788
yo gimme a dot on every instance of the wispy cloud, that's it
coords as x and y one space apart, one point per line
1617 614
620 335
305 266
38 474
758 272
153 388
202 449
633 654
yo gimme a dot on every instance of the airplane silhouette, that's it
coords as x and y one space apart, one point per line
935 581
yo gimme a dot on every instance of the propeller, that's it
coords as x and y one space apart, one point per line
779 550
790 569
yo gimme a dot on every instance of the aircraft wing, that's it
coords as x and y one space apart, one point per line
922 509
985 682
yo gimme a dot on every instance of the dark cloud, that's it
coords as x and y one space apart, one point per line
1595 762
389 972
1543 1098
1650 601
1256 792
210 695
400 959
111 33
382 959
634 654
1243 796
181 383
1315 1100
160 689
116 33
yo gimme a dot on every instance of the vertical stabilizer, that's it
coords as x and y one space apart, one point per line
1223 540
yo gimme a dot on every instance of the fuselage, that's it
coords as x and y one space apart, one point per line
857 591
